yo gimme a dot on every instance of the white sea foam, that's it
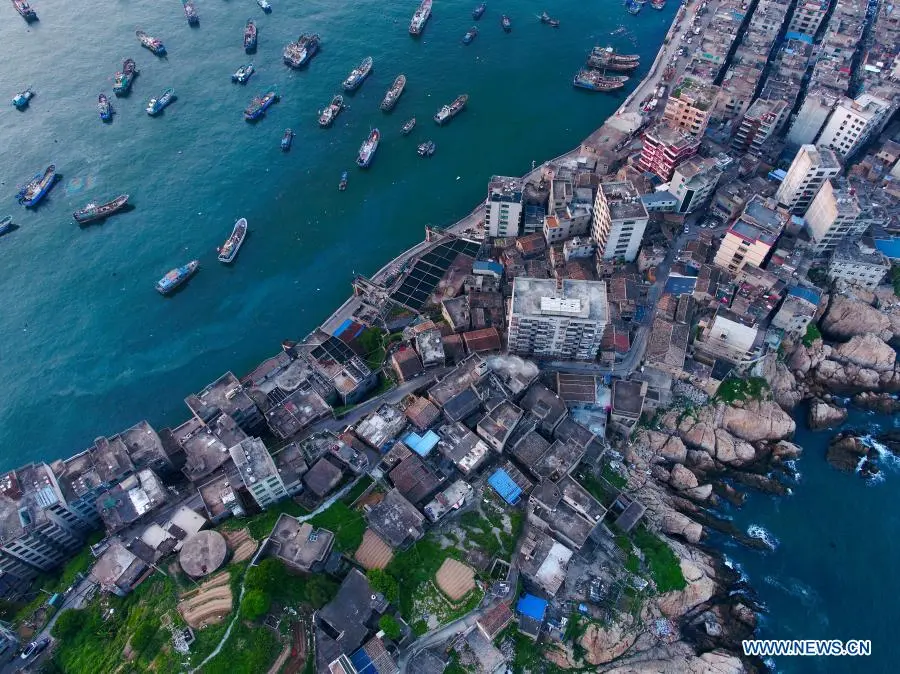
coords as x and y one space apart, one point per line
756 531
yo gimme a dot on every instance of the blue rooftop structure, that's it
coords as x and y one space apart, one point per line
533 607
348 323
421 444
680 285
889 247
778 174
807 294
487 267
504 485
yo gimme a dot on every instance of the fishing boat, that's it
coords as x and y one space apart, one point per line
264 6
157 105
123 79
545 18
229 250
608 59
242 74
596 81
478 12
154 44
343 184
177 277
420 18
393 94
470 35
7 226
297 54
633 7
426 149
358 75
287 140
190 12
367 149
104 107
554 23
408 126
657 4
448 112
93 212
25 10
258 106
330 113
37 188
250 36
23 98
505 23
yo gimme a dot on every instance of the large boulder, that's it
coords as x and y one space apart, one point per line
846 318
823 415
758 420
731 450
667 446
605 643
845 452
782 381
805 358
674 523
866 351
701 586
682 478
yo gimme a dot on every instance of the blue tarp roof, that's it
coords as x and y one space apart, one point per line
890 247
421 444
533 607
805 293
487 266
680 285
793 35
362 662
503 484
778 174
346 324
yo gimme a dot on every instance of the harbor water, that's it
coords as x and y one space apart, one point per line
86 344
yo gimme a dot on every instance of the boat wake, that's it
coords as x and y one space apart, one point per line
756 531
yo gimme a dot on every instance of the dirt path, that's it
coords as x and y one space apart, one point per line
282 658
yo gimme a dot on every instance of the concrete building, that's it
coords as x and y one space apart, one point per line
808 16
694 182
834 215
620 219
858 263
728 338
797 310
563 319
300 545
752 236
258 472
689 104
664 148
503 207
227 396
811 168
853 122
760 123
811 117
627 403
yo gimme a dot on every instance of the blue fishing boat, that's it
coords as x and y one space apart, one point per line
470 35
505 23
190 13
37 188
287 140
23 98
367 149
358 75
242 74
258 106
104 107
633 7
177 277
123 79
478 12
156 105
7 226
154 44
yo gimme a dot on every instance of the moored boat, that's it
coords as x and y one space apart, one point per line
258 106
633 7
154 44
93 212
250 36
242 74
297 54
177 277
657 4
104 107
367 149
25 10
554 23
448 112
190 12
506 23
23 98
408 126
7 226
229 250
358 75
264 6
156 105
37 188
420 18
607 58
426 149
123 79
545 18
596 81
330 113
470 35
343 184
287 140
393 94
478 12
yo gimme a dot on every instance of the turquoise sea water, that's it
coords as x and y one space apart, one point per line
833 573
87 346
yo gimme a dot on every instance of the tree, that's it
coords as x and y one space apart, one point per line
390 626
267 576
143 635
384 583
67 625
255 604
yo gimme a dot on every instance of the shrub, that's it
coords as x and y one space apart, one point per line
255 604
384 583
812 334
143 635
664 565
67 625
390 626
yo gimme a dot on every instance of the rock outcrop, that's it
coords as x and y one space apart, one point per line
867 351
883 403
846 318
713 662
845 451
758 420
603 644
823 415
701 586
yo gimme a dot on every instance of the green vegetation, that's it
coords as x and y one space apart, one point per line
384 583
813 333
261 525
347 525
414 566
248 649
357 490
611 476
491 533
664 566
733 389
371 340
143 635
255 604
818 276
390 626
895 279
67 624
272 578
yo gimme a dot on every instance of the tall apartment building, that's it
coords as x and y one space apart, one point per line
833 216
258 472
620 219
752 236
858 263
762 120
664 148
811 168
808 16
689 105
693 182
853 122
503 208
811 117
562 318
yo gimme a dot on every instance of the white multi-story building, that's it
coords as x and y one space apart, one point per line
752 236
693 183
811 117
858 263
834 215
620 219
258 471
503 208
853 122
811 168
797 311
808 16
729 338
557 319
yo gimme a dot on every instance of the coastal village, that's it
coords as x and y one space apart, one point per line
505 451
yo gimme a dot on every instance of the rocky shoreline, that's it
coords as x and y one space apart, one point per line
694 459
